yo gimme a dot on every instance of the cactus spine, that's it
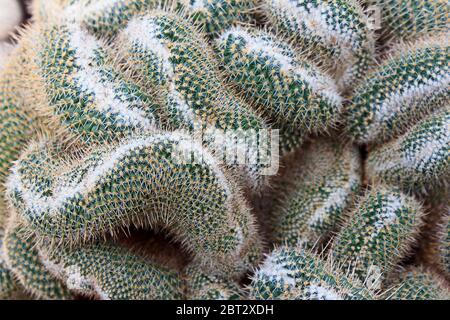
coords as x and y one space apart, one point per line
312 199
133 183
377 235
406 87
293 273
417 284
417 159
267 70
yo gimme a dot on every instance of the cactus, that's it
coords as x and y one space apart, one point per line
444 245
26 264
417 284
407 86
293 273
8 285
81 91
109 272
204 286
134 182
170 56
215 16
378 234
417 159
412 19
336 31
138 137
312 199
267 70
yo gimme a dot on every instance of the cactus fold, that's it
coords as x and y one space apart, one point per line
407 86
293 92
419 158
417 284
293 273
377 234
335 32
134 182
312 198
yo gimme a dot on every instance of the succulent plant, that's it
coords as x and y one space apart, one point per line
411 19
295 274
312 198
156 149
417 284
407 86
378 234
75 199
418 158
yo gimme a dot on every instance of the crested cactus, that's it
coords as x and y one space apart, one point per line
293 273
204 286
312 199
335 32
25 263
267 70
138 139
8 285
404 88
411 19
133 182
444 245
420 158
378 234
109 272
417 284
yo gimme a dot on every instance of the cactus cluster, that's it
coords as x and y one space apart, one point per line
264 149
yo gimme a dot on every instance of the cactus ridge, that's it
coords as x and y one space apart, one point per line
28 266
267 70
378 234
406 87
336 31
417 283
418 158
85 97
293 273
133 183
313 199
412 19
169 55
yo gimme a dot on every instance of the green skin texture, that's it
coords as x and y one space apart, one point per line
215 16
445 247
203 286
284 95
109 272
189 72
146 185
23 259
8 285
322 183
352 63
412 19
293 273
377 235
417 159
72 104
417 284
212 17
402 75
